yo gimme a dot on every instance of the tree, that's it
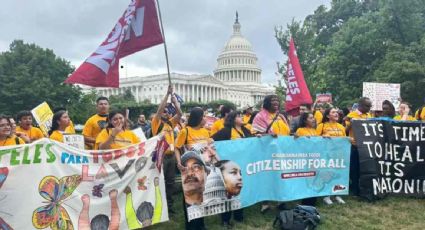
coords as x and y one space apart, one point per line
30 75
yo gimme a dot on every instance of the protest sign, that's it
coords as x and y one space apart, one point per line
379 92
43 115
324 98
235 174
48 184
392 157
74 140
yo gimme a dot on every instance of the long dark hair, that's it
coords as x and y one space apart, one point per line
195 117
251 119
111 115
326 114
267 102
230 119
303 119
55 121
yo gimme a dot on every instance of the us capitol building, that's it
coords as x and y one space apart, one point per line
237 78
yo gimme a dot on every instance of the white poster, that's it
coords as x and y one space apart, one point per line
49 185
379 92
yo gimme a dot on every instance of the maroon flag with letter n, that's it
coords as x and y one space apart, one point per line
136 30
297 92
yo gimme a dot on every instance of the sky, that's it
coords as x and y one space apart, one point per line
195 30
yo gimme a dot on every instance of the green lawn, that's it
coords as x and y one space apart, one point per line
391 213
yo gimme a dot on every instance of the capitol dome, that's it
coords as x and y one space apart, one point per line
237 63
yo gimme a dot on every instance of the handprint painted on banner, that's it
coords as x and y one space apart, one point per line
3 175
97 190
55 191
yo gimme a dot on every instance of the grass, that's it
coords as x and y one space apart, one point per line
390 213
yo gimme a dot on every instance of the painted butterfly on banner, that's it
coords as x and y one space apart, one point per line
3 175
97 190
55 191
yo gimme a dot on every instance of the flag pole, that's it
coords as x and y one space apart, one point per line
165 43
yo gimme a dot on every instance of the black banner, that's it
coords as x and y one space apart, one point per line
392 157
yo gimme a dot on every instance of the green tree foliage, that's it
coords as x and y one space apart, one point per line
30 75
356 41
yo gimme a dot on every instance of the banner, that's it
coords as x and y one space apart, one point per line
392 157
297 92
43 115
229 175
136 30
379 92
49 185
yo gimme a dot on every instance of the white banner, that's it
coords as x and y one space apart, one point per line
50 185
379 92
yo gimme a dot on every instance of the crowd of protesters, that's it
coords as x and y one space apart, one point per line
112 130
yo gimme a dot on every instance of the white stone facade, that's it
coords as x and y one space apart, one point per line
237 78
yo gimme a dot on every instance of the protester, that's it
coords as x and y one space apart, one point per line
360 111
251 119
116 134
142 123
26 127
305 108
60 122
404 112
23 136
193 133
319 109
420 113
247 114
307 124
269 120
219 124
96 123
388 109
233 129
6 137
164 122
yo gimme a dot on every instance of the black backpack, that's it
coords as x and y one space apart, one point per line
302 217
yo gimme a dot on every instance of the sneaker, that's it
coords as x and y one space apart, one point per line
339 200
264 208
327 200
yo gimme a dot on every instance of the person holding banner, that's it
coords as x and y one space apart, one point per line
60 122
26 127
404 112
388 109
23 136
163 122
96 123
6 137
362 112
269 120
116 135
307 124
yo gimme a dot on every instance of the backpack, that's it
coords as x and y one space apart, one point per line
302 217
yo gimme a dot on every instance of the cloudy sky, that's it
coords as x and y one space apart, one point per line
196 30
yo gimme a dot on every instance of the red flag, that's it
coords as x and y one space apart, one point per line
297 92
136 30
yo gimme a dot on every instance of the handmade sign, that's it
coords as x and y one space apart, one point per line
49 185
379 92
392 157
43 115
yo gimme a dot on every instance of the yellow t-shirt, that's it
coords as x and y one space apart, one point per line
301 132
318 116
217 126
33 133
356 115
70 129
57 136
279 127
12 141
422 115
245 118
94 125
122 139
331 129
409 118
195 136
236 134
249 127
167 130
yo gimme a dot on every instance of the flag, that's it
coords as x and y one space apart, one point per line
297 92
137 29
